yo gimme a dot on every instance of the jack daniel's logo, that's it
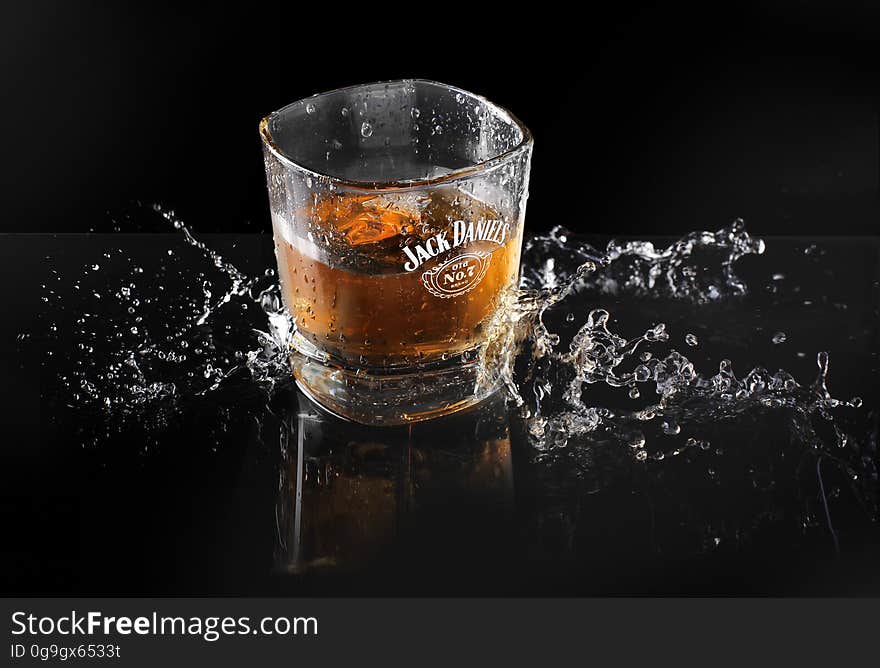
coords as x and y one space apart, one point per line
457 275
495 231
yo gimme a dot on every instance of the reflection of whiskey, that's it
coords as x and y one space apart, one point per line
397 278
350 495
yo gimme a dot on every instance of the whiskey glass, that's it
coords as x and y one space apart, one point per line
397 212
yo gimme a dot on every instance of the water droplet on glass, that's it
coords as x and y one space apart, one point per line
670 428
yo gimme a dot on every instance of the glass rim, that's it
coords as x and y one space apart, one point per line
525 143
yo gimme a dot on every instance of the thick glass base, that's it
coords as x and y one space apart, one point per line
390 399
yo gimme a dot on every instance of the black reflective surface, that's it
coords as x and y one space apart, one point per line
235 496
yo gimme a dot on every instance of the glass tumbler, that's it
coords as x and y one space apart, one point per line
397 213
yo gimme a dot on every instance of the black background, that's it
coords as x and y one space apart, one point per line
646 120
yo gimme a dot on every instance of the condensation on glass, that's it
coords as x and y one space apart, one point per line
397 211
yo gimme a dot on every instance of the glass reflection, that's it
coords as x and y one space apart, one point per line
347 492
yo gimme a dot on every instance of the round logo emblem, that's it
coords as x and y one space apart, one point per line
457 275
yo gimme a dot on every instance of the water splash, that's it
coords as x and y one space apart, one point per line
572 377
575 392
698 267
142 356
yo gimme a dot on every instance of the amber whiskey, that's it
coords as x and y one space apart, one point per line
397 278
